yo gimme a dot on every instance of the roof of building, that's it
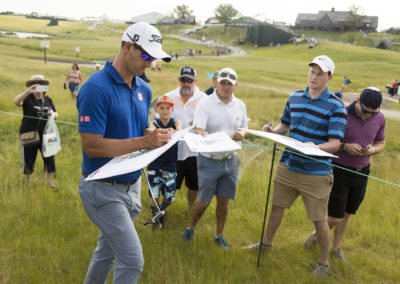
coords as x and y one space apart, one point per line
334 17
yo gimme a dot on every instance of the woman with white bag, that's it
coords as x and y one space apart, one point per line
37 107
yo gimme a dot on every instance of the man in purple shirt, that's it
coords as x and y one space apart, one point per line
364 137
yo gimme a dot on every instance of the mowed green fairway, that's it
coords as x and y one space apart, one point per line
46 237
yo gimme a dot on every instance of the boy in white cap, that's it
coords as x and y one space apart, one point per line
313 115
113 107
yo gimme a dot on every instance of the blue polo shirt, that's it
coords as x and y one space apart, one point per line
314 120
107 106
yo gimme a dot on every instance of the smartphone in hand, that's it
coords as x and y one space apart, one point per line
42 88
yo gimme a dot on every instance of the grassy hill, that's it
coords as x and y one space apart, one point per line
46 236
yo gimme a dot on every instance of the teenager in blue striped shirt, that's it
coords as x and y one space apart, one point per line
314 115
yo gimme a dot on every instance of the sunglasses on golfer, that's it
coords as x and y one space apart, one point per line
145 55
227 75
367 111
186 80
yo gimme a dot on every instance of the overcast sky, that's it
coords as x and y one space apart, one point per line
278 10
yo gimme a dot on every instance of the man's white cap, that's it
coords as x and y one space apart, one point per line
148 37
324 62
227 74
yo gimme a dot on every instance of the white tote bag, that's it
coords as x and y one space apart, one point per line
51 144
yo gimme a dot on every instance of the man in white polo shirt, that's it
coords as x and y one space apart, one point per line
185 99
218 173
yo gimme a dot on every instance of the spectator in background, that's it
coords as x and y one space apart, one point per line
185 99
210 90
37 107
153 65
98 67
394 88
74 80
346 81
394 85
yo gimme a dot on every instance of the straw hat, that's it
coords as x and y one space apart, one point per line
37 79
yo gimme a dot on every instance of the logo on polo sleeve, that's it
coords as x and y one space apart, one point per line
84 118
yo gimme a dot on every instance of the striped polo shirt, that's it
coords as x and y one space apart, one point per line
314 120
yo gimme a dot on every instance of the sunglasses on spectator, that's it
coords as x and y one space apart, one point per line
367 111
227 75
145 55
186 80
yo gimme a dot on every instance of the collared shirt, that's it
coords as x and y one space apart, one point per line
314 120
107 106
362 132
213 115
184 111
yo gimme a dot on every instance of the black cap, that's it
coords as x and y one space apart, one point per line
371 97
187 71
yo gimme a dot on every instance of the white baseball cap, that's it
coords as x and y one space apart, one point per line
324 62
148 37
227 74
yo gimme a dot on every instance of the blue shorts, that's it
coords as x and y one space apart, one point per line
74 87
162 182
217 177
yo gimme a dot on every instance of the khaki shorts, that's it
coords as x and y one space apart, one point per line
314 189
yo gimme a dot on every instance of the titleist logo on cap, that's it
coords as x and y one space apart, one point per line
153 38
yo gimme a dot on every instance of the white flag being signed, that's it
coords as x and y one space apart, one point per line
135 161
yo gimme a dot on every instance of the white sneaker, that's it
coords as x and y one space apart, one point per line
322 270
257 246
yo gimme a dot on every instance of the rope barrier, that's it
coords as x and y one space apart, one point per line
245 145
337 166
39 118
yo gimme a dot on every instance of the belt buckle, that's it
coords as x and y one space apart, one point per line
358 169
109 183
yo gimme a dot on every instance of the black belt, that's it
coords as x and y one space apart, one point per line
353 169
110 181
